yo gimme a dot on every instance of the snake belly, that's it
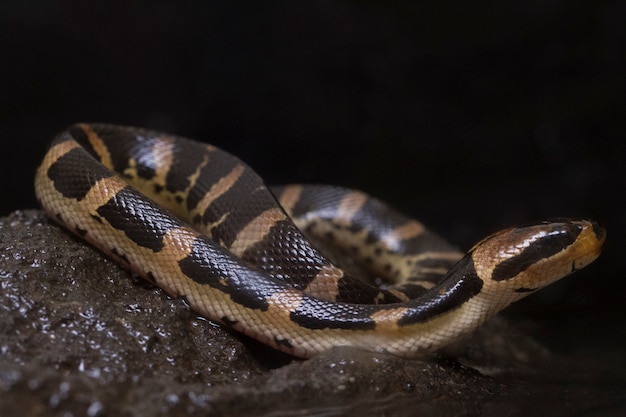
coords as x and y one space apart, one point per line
200 224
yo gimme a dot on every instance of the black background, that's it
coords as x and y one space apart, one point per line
470 116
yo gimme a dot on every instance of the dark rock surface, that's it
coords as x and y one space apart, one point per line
81 337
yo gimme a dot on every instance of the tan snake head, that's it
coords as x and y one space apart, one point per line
518 261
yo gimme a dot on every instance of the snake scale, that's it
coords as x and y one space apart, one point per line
201 224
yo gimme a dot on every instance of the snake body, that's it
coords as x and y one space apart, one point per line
200 224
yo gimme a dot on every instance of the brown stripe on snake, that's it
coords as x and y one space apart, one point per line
68 186
122 143
246 186
201 199
137 231
147 231
185 169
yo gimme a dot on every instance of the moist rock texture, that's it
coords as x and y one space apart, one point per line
80 336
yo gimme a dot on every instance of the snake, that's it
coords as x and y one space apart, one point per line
267 262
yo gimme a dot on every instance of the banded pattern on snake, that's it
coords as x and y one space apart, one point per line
200 224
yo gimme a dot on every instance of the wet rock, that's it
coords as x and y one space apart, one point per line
80 336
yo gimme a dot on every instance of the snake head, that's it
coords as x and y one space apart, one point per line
525 259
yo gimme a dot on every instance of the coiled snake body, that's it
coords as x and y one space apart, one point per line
249 267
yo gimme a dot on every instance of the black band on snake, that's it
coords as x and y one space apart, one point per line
201 224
